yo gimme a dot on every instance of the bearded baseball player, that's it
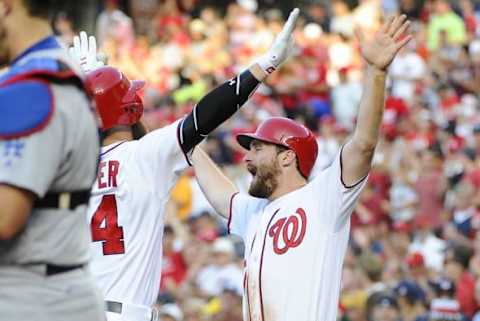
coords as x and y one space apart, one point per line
137 171
296 230
49 149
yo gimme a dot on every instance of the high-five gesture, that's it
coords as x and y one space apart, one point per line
380 51
84 50
281 47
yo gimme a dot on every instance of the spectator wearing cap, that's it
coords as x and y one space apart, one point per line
456 267
417 271
382 306
411 299
222 271
429 245
444 287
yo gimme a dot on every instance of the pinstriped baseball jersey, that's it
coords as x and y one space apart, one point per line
126 214
295 246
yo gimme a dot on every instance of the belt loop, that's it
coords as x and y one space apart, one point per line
155 314
64 201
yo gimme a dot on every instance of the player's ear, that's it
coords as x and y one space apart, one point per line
288 158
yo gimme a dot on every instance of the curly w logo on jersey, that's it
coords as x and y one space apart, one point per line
291 230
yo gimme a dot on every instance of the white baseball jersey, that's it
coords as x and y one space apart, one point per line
294 248
126 214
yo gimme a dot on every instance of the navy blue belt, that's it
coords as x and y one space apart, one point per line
66 200
53 269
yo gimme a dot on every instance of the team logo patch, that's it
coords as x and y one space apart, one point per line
288 232
12 150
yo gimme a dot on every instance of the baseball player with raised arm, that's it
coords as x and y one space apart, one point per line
296 230
138 169
49 149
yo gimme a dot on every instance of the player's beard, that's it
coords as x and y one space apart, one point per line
265 180
4 52
139 130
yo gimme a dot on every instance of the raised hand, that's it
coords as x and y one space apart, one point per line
84 51
282 45
380 51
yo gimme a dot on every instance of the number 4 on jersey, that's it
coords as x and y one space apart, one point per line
110 234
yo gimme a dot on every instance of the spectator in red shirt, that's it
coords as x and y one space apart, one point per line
380 180
371 209
316 91
430 187
174 269
456 267
468 13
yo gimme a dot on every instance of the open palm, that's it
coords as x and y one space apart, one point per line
381 50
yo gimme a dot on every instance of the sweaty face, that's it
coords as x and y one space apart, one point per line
263 164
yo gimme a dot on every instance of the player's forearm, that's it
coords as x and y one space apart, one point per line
370 111
222 102
358 153
217 188
218 106
15 210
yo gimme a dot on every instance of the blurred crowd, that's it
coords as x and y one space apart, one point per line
414 253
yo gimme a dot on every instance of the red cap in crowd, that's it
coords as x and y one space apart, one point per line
415 259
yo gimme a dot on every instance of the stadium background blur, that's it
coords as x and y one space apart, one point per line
414 251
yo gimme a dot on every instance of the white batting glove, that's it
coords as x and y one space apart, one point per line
84 51
282 46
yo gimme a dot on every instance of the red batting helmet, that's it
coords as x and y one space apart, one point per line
285 132
115 96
